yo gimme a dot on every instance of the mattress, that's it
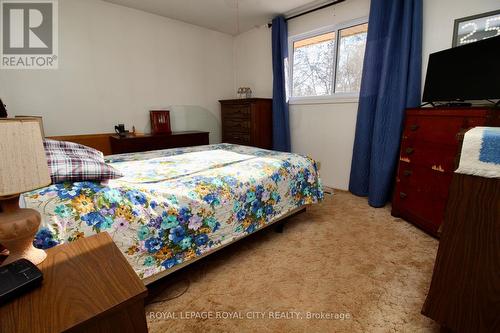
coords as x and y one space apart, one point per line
175 205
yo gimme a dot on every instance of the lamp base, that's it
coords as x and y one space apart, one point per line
18 227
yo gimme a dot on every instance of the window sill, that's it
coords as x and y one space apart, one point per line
324 100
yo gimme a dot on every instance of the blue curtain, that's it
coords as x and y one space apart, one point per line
281 118
391 82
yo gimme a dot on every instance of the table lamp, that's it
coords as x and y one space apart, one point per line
23 167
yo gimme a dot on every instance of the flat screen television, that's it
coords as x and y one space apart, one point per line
464 73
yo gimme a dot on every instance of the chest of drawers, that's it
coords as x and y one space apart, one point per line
429 148
247 122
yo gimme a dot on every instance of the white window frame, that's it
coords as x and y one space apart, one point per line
326 99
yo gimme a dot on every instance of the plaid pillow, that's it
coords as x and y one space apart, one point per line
71 148
74 162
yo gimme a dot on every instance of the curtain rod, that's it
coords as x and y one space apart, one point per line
310 11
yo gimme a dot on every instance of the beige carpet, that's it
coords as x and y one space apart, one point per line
340 258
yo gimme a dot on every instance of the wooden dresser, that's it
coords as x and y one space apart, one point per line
429 147
247 122
146 142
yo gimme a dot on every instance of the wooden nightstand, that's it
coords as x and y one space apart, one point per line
146 142
88 286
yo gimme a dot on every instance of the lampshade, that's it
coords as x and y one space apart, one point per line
23 165
37 118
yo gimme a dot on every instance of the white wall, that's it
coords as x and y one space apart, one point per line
326 131
116 64
253 61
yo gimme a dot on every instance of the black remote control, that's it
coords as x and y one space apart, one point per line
17 278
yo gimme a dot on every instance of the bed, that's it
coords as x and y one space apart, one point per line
175 206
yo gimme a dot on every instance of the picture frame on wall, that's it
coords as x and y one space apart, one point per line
473 28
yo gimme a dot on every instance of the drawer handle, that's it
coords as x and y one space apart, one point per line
407 173
414 127
402 195
409 150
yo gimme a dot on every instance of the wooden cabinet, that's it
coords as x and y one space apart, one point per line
429 148
88 286
132 144
464 292
247 122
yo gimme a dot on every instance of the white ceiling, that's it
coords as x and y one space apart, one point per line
228 16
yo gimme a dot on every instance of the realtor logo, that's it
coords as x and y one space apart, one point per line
29 34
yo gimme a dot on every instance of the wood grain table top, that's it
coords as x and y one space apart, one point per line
83 280
132 136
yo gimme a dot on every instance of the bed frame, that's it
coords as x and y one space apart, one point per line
149 280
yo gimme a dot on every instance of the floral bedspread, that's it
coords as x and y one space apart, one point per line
176 204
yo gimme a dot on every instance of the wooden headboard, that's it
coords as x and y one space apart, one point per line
96 141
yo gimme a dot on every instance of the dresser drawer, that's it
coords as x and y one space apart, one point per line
423 208
432 155
236 125
236 138
424 179
434 129
236 112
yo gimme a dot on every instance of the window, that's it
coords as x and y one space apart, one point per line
350 58
313 65
328 63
